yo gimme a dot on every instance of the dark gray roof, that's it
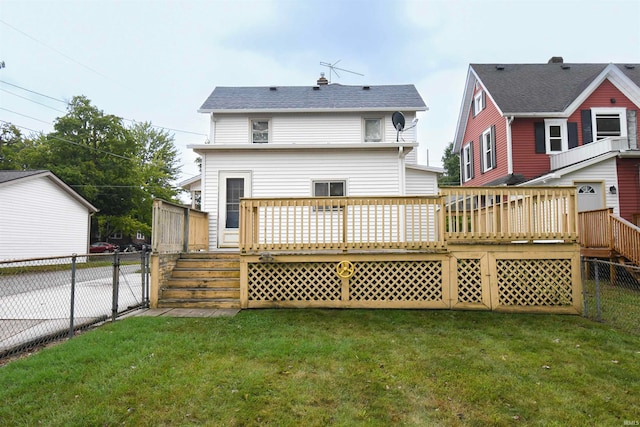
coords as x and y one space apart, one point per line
6 175
527 88
324 97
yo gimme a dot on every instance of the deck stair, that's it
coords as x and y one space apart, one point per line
203 280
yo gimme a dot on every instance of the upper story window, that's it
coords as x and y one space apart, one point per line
140 235
372 130
609 122
479 103
555 135
467 162
260 131
488 149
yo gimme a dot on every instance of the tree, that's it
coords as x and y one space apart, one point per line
11 144
119 170
451 163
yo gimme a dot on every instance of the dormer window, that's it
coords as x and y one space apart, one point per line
260 131
373 130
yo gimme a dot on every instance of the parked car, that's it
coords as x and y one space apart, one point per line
101 247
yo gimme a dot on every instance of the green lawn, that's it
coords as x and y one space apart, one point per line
331 367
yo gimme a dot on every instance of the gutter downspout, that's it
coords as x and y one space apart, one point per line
402 171
508 121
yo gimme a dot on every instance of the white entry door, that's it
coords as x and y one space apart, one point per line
232 187
590 196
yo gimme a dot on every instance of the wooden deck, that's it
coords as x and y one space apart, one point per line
605 235
489 248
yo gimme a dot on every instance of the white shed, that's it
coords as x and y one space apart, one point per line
41 216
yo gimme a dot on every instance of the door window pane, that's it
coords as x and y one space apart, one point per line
235 191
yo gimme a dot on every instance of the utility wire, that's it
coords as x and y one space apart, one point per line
31 100
33 91
68 141
66 103
57 51
23 115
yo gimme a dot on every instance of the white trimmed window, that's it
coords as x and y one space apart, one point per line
555 131
467 162
609 122
260 131
478 102
372 130
139 235
488 147
329 188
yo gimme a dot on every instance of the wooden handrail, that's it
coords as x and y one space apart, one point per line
602 229
625 239
469 215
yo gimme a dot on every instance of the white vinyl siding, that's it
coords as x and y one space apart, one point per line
420 183
39 219
604 172
291 173
306 128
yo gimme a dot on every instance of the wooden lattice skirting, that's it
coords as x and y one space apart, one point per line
515 277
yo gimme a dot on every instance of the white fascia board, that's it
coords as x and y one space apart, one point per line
189 181
462 117
310 110
617 78
569 169
466 103
259 147
424 168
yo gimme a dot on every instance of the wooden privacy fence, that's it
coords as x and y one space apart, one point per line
177 228
474 215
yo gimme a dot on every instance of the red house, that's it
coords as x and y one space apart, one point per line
554 124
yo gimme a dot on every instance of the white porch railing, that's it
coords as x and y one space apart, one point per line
588 151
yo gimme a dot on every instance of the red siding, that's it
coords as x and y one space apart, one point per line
628 187
523 147
475 126
531 164
601 97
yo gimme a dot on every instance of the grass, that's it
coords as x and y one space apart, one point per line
331 367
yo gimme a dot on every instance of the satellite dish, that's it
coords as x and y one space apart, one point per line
398 123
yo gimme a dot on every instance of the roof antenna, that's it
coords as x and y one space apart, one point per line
332 69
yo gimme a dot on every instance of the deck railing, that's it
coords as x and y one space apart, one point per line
505 214
462 215
602 229
177 228
588 151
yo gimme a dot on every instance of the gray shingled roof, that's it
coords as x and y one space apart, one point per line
527 88
324 97
6 175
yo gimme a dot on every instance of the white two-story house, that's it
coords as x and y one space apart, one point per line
322 140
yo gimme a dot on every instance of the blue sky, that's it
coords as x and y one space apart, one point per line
158 60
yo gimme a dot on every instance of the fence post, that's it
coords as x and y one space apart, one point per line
143 275
73 293
584 270
597 277
116 285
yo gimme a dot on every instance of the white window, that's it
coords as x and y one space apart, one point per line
329 188
260 131
555 131
608 122
586 189
488 148
139 235
467 162
478 102
372 130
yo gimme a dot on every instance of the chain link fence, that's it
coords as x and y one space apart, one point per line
46 299
612 293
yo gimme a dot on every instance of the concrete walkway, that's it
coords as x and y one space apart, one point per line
187 312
